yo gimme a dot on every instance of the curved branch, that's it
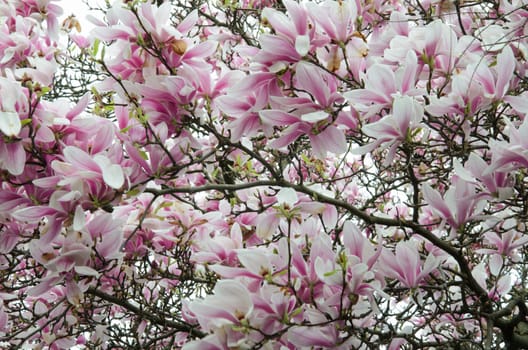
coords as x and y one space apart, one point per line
144 314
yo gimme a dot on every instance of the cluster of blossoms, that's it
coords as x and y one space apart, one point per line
264 174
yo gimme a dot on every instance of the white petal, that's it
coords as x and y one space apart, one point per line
112 173
113 176
462 172
78 218
287 196
495 264
10 123
302 44
314 117
86 271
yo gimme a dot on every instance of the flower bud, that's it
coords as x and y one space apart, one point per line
179 46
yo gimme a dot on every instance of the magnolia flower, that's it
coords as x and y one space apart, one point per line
460 204
393 130
503 246
293 39
228 305
406 264
12 101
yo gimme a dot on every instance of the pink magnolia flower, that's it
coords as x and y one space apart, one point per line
293 39
477 86
106 233
79 167
257 266
310 117
357 244
461 203
475 170
46 10
272 306
244 101
219 249
503 246
500 288
497 81
229 304
383 86
512 154
61 205
406 264
13 103
394 129
336 18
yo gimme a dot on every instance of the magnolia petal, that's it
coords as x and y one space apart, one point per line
495 264
436 201
314 117
504 285
267 225
113 176
15 159
73 293
255 261
112 173
302 44
519 103
505 67
78 218
10 123
462 172
188 23
86 271
287 196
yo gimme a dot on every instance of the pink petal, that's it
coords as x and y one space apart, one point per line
434 199
505 66
15 160
278 117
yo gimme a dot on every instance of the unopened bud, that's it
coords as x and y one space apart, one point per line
179 46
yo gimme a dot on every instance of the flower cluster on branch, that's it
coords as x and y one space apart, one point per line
272 174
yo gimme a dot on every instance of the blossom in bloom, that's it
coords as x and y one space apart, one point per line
460 204
502 246
229 304
406 264
12 101
293 39
394 129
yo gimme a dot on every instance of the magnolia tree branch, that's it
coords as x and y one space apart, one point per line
264 174
142 313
